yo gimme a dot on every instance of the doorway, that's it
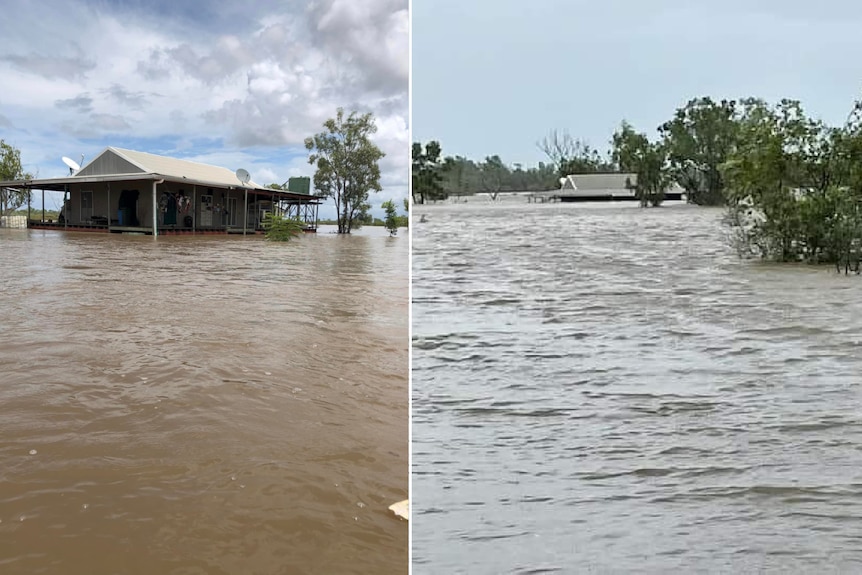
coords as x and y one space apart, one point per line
128 208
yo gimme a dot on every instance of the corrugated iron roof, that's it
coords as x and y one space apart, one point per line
119 164
608 181
115 161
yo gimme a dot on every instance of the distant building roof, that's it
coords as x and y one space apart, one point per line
617 183
600 182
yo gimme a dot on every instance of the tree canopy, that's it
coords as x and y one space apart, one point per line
698 141
11 169
633 152
426 178
436 179
347 165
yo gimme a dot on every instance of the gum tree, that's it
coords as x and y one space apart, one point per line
427 168
347 165
633 152
699 140
11 169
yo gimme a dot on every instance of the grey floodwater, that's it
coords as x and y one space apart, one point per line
203 405
601 388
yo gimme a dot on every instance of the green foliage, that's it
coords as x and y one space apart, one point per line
363 217
426 176
391 217
792 184
35 214
278 228
347 165
11 169
462 176
633 152
494 173
795 186
699 140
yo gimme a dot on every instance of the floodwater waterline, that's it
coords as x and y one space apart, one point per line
203 404
605 388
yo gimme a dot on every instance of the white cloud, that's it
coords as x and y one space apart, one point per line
245 87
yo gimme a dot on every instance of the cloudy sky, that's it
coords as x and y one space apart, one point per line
496 76
238 84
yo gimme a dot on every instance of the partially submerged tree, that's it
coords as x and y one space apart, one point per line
495 174
11 169
347 165
698 141
427 180
795 186
279 228
633 152
391 221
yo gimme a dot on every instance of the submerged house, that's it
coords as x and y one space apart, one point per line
136 192
599 187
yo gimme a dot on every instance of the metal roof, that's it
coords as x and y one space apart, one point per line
118 164
113 161
607 181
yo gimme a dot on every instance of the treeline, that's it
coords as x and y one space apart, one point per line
792 183
436 178
690 149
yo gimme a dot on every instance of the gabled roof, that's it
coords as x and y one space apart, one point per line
118 164
616 183
118 161
600 182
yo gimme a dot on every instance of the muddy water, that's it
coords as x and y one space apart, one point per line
608 389
202 405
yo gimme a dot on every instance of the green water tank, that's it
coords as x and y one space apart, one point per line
299 185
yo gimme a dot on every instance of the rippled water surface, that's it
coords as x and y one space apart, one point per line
202 405
602 388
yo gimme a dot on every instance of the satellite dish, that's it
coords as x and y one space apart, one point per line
72 164
562 181
243 176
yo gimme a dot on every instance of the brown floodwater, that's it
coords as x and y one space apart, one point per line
203 405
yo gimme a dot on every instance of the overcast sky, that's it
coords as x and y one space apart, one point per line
496 76
238 84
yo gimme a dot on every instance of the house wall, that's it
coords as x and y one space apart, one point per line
107 205
104 206
100 206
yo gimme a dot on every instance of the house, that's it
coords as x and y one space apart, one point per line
129 191
614 186
599 187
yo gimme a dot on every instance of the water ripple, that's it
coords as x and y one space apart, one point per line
600 388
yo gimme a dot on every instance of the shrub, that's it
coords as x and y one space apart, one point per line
278 228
